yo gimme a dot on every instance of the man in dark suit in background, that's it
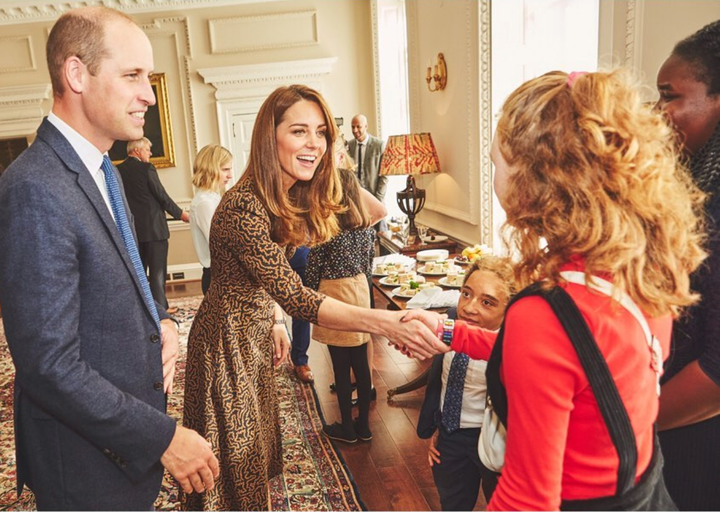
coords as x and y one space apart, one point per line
94 355
148 204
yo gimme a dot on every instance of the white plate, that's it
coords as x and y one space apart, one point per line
422 270
396 292
443 281
432 255
384 282
434 239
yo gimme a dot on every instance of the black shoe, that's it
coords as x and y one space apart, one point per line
373 397
363 433
353 387
338 433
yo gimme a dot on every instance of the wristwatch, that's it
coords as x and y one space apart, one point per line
447 334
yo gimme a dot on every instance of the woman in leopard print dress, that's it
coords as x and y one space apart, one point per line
287 197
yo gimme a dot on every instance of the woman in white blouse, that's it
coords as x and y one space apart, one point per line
212 171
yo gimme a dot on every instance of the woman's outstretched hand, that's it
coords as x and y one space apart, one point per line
417 336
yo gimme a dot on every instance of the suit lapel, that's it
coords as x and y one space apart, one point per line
48 133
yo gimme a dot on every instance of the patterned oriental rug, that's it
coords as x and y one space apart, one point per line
314 477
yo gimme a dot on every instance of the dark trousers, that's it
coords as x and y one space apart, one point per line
344 358
154 259
205 283
460 473
692 464
300 328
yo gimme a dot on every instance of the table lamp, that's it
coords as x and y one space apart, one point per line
410 155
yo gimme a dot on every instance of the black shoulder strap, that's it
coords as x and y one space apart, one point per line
611 406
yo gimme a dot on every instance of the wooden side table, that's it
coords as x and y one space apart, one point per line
390 243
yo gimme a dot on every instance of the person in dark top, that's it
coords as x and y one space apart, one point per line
689 420
148 203
340 269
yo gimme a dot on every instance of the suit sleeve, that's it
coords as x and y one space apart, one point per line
157 190
382 180
45 338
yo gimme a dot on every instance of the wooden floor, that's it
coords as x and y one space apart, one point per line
391 471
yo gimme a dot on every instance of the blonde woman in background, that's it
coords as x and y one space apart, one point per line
212 171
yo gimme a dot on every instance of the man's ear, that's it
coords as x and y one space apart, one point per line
75 73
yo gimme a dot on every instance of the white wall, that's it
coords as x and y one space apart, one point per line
201 35
636 33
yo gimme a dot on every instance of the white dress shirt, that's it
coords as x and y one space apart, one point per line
202 209
89 154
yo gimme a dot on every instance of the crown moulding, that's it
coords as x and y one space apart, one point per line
15 12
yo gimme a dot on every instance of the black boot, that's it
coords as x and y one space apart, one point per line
337 432
362 431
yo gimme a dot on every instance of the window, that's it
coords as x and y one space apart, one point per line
394 98
532 37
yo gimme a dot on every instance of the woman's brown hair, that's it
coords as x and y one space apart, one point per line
355 214
306 214
593 173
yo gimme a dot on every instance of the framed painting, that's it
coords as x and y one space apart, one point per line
10 149
157 128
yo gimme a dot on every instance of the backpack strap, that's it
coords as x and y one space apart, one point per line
601 381
591 359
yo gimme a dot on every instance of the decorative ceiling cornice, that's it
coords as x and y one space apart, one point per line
24 11
229 80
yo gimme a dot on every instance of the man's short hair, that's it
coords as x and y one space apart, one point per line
136 144
79 33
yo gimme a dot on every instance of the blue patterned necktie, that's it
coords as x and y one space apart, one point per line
118 208
452 405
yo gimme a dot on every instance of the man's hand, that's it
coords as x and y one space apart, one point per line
190 459
170 352
185 217
433 453
281 344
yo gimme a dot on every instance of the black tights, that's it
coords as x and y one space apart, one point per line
342 359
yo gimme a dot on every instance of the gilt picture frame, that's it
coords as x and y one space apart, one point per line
158 128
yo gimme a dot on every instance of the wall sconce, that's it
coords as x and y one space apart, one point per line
439 76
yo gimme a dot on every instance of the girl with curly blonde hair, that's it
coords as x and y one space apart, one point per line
590 181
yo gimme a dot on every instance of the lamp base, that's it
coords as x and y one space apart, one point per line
411 201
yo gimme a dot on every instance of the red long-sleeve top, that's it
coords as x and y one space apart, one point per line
558 447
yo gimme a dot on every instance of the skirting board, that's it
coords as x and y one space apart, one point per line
186 272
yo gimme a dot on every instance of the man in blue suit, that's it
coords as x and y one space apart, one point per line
94 354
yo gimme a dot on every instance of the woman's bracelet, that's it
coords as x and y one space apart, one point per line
280 321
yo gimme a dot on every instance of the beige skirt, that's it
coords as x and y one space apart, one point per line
351 290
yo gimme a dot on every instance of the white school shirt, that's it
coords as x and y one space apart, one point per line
473 401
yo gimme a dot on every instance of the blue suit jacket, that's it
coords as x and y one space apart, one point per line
90 426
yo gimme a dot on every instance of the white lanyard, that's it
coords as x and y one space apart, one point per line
609 289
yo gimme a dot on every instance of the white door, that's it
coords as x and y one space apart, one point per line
242 127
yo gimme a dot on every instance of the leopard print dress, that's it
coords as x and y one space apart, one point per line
230 395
